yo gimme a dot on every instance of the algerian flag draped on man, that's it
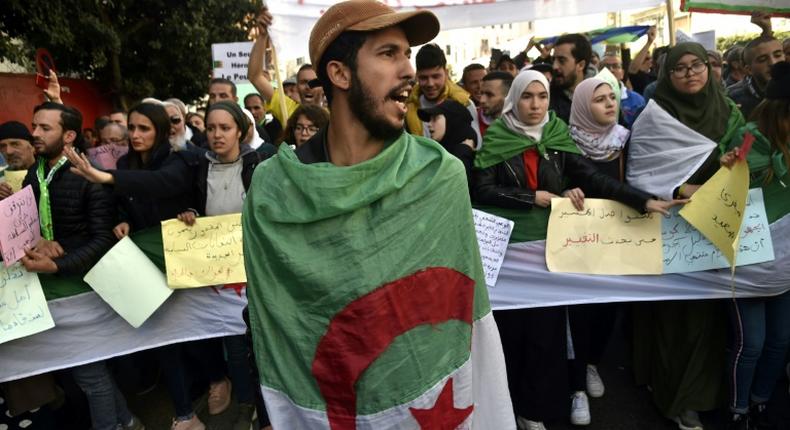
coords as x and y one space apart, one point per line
367 299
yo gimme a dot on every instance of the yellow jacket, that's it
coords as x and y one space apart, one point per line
451 90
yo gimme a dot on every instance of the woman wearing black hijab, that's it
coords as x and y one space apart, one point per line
679 345
450 124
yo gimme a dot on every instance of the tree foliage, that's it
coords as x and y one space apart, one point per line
132 48
724 43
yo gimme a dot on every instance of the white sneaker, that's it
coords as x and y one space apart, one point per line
525 424
688 420
595 386
580 409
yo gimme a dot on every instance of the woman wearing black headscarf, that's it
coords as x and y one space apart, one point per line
450 124
679 345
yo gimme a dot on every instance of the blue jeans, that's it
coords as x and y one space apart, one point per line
760 339
107 404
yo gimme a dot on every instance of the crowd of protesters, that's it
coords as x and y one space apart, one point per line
526 130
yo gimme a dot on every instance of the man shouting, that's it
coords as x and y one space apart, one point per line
368 305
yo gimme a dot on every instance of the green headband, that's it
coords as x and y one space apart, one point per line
235 111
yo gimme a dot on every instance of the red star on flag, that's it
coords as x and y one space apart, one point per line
443 415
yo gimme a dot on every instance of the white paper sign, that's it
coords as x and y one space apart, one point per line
129 282
493 235
230 60
23 308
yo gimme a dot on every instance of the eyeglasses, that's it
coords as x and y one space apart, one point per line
613 66
175 120
310 128
681 70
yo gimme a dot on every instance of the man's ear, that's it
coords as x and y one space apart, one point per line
339 74
69 137
583 65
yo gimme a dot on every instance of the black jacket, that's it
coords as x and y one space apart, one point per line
746 95
158 192
314 150
560 103
250 160
83 215
504 184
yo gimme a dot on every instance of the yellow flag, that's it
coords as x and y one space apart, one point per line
207 253
717 207
606 238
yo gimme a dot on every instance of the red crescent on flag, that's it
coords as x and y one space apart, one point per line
364 329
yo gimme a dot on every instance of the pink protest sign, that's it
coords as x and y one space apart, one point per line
19 227
106 156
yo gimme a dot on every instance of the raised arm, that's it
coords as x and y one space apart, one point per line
258 57
763 20
53 88
637 62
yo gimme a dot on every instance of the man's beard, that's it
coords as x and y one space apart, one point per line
567 81
50 152
15 163
495 112
178 142
364 107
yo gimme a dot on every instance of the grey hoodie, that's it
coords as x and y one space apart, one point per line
225 190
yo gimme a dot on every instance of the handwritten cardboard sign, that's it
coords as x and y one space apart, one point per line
106 156
493 235
717 208
23 308
19 227
688 250
129 282
207 253
14 178
606 238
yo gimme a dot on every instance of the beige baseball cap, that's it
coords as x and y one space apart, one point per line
420 26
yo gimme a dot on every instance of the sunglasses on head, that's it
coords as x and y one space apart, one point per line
175 120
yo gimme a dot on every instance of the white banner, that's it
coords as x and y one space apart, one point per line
294 19
229 60
87 330
524 281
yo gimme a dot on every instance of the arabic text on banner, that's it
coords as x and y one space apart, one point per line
207 253
605 238
23 308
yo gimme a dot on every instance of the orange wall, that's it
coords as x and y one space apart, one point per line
19 95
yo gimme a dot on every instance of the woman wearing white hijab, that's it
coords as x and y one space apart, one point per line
526 159
528 154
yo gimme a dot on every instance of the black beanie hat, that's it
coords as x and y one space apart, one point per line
235 111
15 130
778 87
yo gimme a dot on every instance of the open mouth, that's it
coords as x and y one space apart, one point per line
399 96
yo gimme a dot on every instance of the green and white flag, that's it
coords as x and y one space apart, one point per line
368 304
742 7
